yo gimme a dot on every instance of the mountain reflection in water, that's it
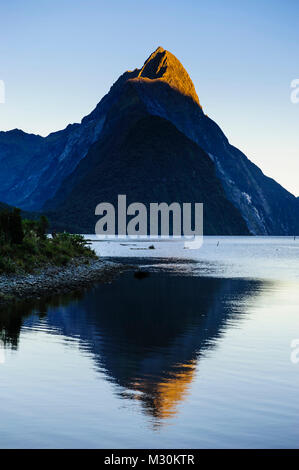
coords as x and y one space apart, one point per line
146 336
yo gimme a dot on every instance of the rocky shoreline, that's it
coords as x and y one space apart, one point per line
56 279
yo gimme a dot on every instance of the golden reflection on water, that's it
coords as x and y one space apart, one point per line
146 340
161 398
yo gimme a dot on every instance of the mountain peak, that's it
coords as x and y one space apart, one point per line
164 66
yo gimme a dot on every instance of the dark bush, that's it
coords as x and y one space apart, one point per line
25 246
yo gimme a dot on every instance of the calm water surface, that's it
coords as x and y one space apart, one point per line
195 354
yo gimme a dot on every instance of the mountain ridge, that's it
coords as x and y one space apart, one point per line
165 90
145 163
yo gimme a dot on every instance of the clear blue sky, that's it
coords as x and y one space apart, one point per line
59 57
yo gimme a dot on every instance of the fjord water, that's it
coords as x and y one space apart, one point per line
195 353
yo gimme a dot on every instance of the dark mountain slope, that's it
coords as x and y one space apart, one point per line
149 160
55 158
265 205
16 150
33 167
166 90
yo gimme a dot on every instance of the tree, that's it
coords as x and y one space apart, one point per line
15 227
43 225
5 225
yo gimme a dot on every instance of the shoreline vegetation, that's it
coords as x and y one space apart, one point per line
32 264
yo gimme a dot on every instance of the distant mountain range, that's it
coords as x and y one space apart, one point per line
150 139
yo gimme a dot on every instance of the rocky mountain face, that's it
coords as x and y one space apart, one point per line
267 208
16 150
149 161
44 162
69 172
